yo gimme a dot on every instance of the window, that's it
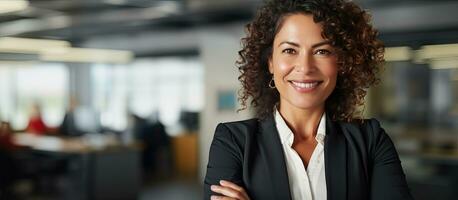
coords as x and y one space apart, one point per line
45 84
148 87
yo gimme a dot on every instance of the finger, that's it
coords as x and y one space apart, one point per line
235 187
215 197
227 191
231 185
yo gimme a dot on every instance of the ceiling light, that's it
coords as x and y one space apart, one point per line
28 45
442 56
438 51
398 53
61 51
13 6
444 63
86 55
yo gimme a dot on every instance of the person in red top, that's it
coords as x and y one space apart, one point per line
36 124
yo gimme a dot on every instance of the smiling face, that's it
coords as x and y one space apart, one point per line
303 63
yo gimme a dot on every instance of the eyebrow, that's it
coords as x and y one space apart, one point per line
313 46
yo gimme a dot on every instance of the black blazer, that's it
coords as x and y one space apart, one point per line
360 161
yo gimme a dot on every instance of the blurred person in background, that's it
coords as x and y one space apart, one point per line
69 126
156 152
36 124
6 132
305 66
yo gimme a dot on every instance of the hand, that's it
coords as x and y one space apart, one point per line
229 190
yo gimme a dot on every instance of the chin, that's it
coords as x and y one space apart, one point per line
306 104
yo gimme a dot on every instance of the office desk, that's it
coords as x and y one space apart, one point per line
92 172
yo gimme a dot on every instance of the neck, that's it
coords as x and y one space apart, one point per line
302 122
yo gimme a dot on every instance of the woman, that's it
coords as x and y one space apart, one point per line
305 66
36 124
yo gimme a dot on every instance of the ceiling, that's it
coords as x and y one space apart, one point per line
78 20
75 20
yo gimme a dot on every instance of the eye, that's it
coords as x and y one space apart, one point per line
289 51
323 52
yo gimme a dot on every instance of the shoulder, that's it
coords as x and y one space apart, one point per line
369 135
232 136
371 126
365 131
240 126
238 129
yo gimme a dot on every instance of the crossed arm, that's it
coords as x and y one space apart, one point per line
223 180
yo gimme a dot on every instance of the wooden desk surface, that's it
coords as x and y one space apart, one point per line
81 144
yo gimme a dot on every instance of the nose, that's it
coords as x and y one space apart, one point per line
305 63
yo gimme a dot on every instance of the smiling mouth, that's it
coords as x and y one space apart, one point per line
308 85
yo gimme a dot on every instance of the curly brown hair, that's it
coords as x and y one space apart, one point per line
345 24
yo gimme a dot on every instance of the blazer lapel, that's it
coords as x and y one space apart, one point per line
272 151
335 155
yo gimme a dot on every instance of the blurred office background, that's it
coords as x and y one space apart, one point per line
118 99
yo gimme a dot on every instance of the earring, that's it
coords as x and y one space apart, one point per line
272 83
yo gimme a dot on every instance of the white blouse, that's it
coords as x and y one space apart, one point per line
304 183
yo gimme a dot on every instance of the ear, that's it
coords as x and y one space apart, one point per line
271 66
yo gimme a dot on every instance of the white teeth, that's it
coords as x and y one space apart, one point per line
305 85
